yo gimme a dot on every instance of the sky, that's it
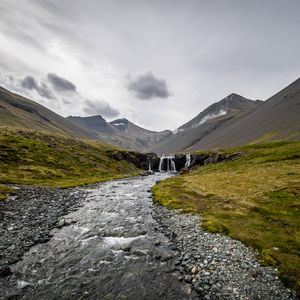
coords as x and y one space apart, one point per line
157 63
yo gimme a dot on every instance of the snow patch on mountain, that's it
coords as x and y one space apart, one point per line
220 113
118 124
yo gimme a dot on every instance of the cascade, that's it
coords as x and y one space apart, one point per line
150 166
187 161
168 161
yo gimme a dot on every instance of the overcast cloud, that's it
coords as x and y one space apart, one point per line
61 84
70 55
147 86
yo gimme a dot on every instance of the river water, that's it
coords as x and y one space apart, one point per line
113 249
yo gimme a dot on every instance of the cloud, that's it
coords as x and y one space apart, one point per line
100 107
30 83
147 86
61 84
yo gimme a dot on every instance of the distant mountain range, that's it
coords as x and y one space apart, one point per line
120 132
233 121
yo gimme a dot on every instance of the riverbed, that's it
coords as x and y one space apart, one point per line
111 249
109 241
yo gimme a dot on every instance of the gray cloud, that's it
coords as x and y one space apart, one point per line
237 47
100 107
61 84
147 86
30 83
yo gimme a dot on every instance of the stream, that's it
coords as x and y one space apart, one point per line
112 249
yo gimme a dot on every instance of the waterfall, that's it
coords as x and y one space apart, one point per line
173 167
170 164
150 166
187 161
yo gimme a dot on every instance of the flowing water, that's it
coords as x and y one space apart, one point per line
187 160
166 163
113 249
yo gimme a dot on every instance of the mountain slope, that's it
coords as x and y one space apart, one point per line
95 124
142 135
35 157
17 111
215 116
120 132
278 118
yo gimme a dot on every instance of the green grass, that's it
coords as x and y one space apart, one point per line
4 190
255 199
31 157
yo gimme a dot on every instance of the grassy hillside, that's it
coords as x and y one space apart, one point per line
255 199
19 112
31 157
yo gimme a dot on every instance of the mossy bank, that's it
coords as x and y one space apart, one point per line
254 198
37 158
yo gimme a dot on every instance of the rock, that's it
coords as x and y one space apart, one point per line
184 171
5 271
194 270
147 173
126 248
141 252
60 223
188 279
22 284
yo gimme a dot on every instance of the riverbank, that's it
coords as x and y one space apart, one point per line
254 199
216 266
44 159
27 218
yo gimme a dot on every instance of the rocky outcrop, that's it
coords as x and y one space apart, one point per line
203 159
142 160
213 158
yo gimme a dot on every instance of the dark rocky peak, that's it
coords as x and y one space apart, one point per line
95 123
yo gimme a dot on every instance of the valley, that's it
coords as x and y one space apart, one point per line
224 202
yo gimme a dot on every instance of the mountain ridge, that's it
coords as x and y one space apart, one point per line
215 115
18 111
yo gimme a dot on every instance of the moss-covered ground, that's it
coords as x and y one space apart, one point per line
255 199
31 157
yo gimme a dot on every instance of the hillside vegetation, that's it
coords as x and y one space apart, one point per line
255 199
31 157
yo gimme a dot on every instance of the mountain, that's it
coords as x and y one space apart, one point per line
120 132
277 118
95 124
140 134
217 115
17 111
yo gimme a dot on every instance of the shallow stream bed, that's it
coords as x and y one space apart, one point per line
118 245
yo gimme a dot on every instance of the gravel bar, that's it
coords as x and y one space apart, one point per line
216 266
